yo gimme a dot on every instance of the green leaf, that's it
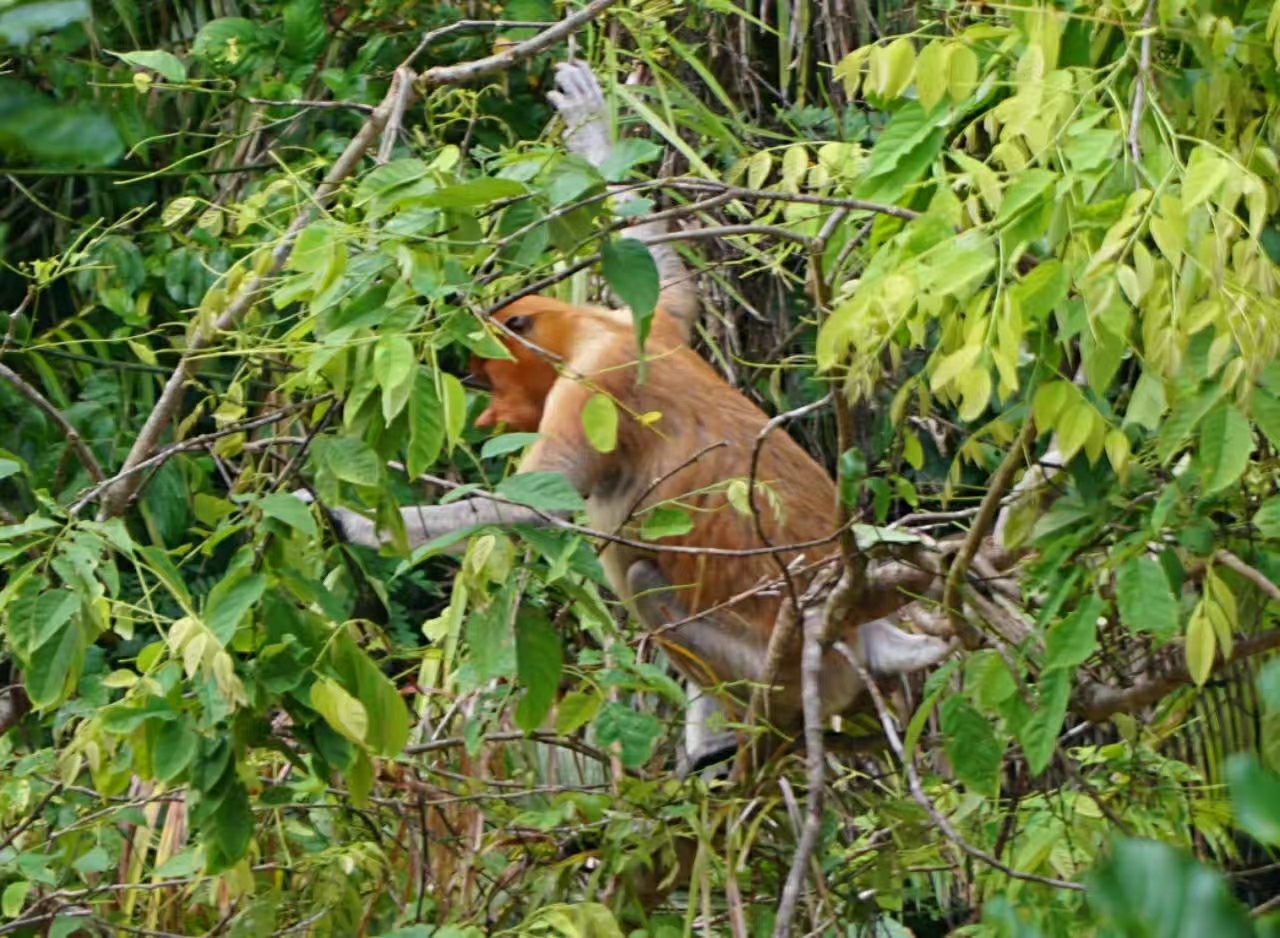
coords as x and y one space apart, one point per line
1072 640
340 710
1147 889
473 193
1225 444
1202 645
1187 414
1255 797
175 746
54 672
35 617
426 424
1039 737
455 408
292 511
664 521
1266 414
232 828
351 460
1267 518
393 361
506 443
229 600
1269 685
388 718
576 709
539 661
1147 403
633 731
626 153
1146 601
631 273
546 491
1203 178
165 63
95 860
304 28
1027 188
600 422
906 145
18 23
972 747
15 894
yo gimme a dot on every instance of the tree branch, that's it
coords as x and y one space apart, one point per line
1097 703
45 406
981 524
118 496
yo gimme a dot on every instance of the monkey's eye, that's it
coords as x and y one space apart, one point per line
519 324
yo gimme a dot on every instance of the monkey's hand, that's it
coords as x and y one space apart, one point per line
581 103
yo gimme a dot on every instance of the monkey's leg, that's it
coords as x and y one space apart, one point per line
656 605
588 134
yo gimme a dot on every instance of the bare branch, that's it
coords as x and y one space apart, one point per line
193 443
1140 84
118 496
917 790
467 71
986 516
45 406
1097 703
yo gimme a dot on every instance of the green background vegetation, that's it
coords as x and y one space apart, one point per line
216 721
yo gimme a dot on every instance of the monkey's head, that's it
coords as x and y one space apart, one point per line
518 389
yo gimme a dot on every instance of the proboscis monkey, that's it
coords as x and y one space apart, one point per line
726 639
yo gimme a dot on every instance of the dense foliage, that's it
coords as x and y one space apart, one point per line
982 226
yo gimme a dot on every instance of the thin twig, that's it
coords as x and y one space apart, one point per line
1140 83
46 407
170 399
810 675
12 330
195 442
917 790
986 516
316 105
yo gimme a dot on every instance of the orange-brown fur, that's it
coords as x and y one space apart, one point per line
698 408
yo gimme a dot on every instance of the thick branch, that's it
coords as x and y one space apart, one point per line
982 523
1099 702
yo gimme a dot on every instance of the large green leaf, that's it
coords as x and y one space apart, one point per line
972 747
546 491
631 273
1146 600
1146 889
1225 445
539 661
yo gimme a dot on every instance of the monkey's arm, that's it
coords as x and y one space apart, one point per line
586 115
561 448
423 523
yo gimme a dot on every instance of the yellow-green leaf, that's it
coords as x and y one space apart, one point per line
1203 179
932 73
600 422
1117 445
962 72
1075 427
1201 645
953 365
341 711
